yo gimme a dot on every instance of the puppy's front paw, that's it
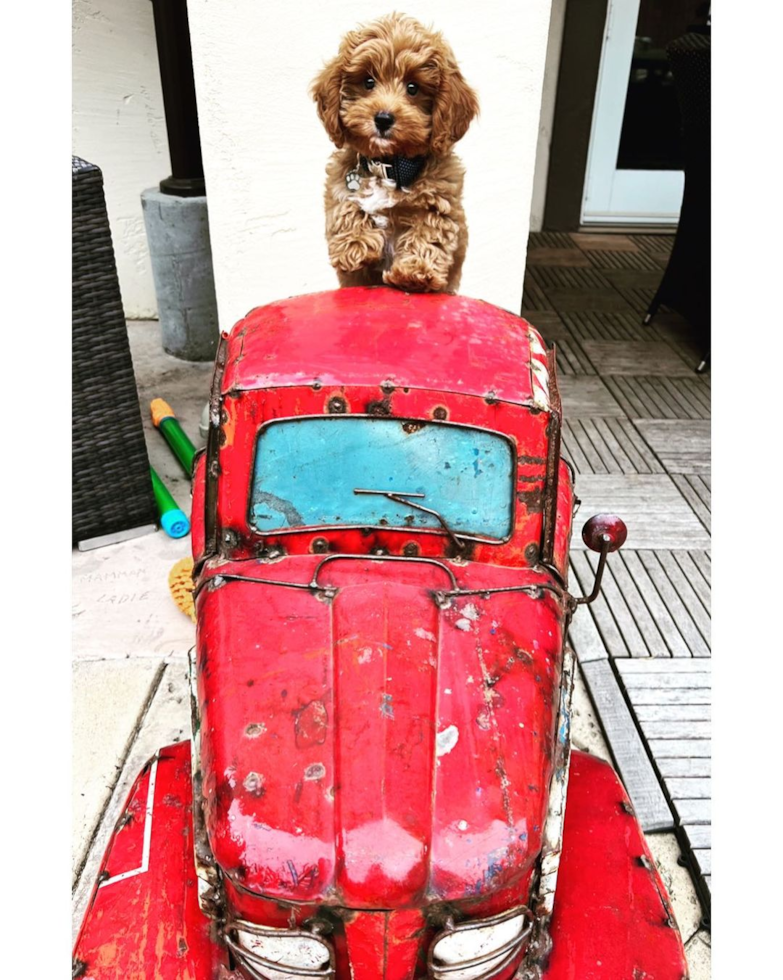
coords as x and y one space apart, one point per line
351 255
415 275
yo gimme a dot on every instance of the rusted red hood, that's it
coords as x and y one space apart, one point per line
375 749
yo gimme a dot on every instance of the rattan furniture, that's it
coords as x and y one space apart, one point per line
112 488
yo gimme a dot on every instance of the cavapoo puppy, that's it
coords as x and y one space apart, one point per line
394 103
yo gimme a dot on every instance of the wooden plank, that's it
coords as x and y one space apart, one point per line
642 457
690 788
692 572
672 712
703 857
571 359
654 243
598 325
699 835
651 696
665 730
599 609
629 396
586 396
692 395
702 561
604 453
550 239
605 433
635 667
659 390
625 358
695 642
623 259
687 594
653 640
658 610
607 300
681 748
686 489
627 748
610 592
580 436
534 297
693 811
684 767
570 278
557 256
590 241
585 638
653 682
571 450
650 504
682 445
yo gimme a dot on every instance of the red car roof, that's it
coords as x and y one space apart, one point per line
371 335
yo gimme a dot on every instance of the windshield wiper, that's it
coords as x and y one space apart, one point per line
402 497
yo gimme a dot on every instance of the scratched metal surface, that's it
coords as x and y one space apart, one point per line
607 408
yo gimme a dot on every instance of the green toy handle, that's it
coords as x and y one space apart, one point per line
173 521
165 420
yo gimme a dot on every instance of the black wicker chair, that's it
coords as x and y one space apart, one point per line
685 286
112 489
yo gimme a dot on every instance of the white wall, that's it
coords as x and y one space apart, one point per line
118 124
265 150
546 121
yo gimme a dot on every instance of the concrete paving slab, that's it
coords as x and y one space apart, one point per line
586 734
108 700
657 514
166 720
699 956
679 884
183 384
121 602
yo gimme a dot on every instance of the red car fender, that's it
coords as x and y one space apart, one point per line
612 918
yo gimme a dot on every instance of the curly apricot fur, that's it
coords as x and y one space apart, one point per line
414 238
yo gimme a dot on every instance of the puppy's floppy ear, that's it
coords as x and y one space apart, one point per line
326 92
456 105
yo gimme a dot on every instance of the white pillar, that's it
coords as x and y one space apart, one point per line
265 150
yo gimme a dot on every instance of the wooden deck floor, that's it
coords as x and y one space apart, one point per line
637 431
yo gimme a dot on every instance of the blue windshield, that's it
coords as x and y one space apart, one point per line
306 471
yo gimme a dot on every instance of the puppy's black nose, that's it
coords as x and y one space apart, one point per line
384 121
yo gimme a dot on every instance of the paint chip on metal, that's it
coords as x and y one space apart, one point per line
446 740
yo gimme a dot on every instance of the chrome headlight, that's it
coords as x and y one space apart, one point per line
269 953
472 950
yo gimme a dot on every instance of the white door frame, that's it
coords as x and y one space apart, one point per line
613 196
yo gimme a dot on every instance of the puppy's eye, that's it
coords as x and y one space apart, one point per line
412 88
369 82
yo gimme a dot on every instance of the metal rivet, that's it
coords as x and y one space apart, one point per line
440 413
531 554
336 405
320 545
411 550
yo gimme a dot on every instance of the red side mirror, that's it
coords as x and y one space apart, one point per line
604 531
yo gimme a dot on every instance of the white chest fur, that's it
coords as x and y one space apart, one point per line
377 195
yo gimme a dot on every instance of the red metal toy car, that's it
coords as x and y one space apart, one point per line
381 525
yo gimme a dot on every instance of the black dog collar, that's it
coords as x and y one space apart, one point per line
402 170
